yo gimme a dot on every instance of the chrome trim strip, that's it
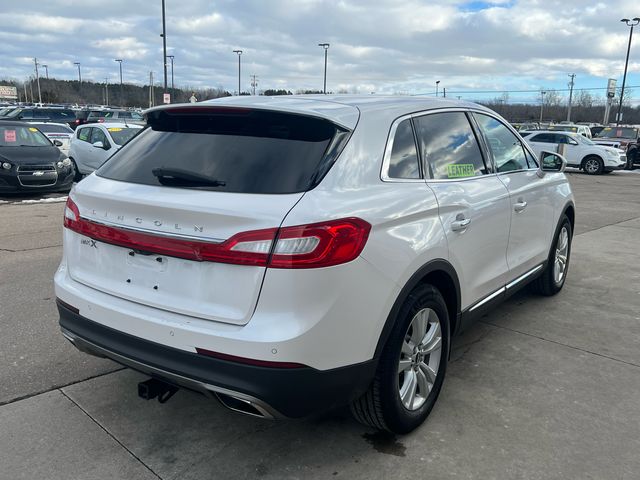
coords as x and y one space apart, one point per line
187 382
489 298
386 159
157 233
522 277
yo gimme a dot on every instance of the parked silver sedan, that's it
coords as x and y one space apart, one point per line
56 131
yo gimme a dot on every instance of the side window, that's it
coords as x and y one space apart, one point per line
544 138
404 155
99 136
506 149
83 134
449 145
533 163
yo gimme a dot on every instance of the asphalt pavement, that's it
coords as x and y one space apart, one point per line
540 388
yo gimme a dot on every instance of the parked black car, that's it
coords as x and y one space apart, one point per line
57 115
82 116
626 138
30 162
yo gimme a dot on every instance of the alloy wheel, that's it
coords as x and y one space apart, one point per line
419 359
592 165
562 250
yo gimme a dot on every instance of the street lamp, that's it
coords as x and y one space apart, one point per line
239 52
46 69
326 48
171 57
437 83
79 79
119 60
630 23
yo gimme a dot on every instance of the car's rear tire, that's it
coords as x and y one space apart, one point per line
554 275
593 165
412 366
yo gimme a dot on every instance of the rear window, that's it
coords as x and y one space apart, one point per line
230 150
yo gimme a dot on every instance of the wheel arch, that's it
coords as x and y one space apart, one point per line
588 156
439 273
570 211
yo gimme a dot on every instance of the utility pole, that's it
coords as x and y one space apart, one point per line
31 88
437 83
46 69
542 92
572 76
119 60
35 60
444 92
106 90
254 84
151 99
239 52
326 49
26 97
164 48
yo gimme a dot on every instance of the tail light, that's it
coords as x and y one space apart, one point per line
305 246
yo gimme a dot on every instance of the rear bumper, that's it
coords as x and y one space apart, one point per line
274 392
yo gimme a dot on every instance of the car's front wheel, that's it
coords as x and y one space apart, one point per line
593 165
77 175
412 366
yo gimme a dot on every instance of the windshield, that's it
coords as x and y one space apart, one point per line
18 136
618 132
122 135
582 140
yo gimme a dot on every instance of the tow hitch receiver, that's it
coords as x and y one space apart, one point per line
153 388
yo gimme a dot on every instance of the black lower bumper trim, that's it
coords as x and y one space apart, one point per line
295 393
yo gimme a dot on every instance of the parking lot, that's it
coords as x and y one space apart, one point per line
538 389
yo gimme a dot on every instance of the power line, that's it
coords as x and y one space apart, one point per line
537 90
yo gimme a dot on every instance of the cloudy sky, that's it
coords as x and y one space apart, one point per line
389 46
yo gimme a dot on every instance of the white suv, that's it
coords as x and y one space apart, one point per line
291 255
579 151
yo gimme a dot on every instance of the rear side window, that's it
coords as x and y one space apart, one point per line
449 145
403 162
230 150
544 138
50 128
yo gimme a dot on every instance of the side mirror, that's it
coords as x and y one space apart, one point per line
57 143
551 162
99 145
573 142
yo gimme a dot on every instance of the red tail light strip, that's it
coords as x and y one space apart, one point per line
306 246
249 361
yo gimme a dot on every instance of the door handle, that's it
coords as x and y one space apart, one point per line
460 225
520 206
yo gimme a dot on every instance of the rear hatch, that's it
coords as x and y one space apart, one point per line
185 186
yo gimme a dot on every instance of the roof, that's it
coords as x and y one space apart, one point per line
341 109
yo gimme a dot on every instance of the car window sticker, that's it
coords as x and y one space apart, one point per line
10 136
461 170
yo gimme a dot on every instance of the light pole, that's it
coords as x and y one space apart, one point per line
164 48
437 83
542 92
239 52
119 60
630 23
326 48
106 90
46 69
79 79
171 57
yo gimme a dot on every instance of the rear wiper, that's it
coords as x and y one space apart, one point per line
177 177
